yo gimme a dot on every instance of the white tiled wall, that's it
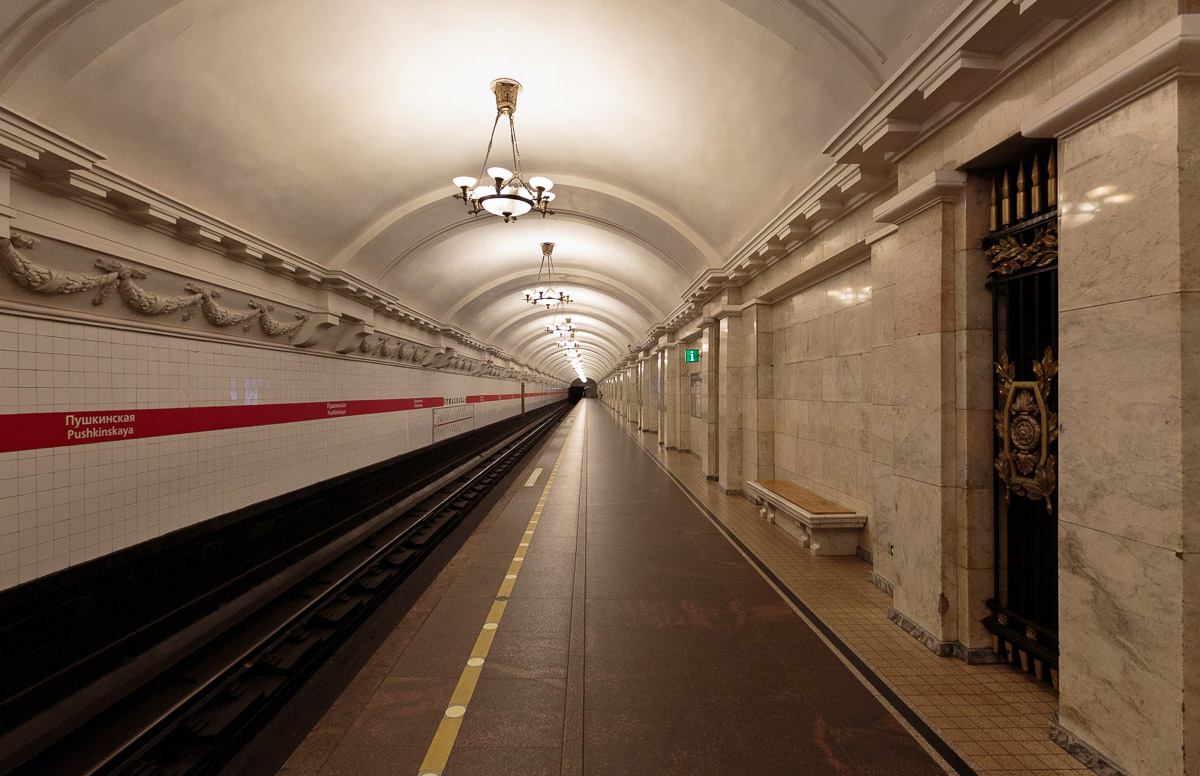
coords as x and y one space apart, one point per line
62 506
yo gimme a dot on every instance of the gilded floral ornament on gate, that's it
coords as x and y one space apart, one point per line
1027 428
1009 255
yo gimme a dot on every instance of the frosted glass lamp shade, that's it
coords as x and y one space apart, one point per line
499 172
541 182
502 205
465 181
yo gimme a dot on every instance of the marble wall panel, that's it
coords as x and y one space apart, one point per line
883 518
883 316
1119 409
842 378
975 375
925 274
974 449
1121 614
976 539
853 429
882 431
852 329
822 341
924 581
974 586
1120 205
880 374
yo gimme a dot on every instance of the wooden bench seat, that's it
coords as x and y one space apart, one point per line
824 526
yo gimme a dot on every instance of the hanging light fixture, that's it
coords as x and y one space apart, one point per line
561 324
546 293
505 194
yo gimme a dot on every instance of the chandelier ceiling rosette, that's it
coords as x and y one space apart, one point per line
504 192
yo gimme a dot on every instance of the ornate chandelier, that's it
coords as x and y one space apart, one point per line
546 293
506 194
561 324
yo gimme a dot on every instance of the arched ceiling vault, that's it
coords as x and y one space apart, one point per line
333 129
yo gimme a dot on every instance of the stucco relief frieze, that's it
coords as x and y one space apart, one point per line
114 277
120 277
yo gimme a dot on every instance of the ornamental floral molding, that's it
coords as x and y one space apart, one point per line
119 277
1009 255
1027 428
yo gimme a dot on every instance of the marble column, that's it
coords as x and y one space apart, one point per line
881 359
922 539
730 377
684 391
671 361
1129 406
648 395
758 428
709 448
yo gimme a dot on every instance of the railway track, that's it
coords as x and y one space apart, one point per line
209 722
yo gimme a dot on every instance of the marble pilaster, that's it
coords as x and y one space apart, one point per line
730 379
921 533
710 370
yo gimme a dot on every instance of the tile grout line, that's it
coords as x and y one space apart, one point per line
442 744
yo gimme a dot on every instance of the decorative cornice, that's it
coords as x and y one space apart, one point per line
71 169
1169 53
938 186
119 279
952 72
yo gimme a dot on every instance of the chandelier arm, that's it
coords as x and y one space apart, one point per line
512 131
488 153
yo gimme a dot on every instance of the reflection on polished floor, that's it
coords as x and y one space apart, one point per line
599 622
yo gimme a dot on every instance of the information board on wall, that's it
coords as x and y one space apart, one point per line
697 405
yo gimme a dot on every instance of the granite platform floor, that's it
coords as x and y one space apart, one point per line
994 717
599 622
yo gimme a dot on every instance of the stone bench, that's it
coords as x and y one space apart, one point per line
825 527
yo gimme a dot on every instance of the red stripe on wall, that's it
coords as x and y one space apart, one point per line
35 430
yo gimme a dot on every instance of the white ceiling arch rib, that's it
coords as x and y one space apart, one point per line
434 214
508 292
332 129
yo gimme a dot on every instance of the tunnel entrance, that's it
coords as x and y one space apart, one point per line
581 389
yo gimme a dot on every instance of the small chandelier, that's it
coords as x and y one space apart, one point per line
546 293
563 328
508 195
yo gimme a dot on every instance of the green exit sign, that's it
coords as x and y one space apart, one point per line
691 356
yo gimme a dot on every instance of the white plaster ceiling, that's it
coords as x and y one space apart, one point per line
674 130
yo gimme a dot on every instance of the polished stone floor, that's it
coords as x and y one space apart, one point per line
598 622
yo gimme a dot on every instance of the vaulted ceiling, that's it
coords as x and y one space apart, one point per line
673 129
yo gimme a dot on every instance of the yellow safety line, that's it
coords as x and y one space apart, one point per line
439 750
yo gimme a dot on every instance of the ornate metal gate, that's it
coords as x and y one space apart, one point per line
1023 248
